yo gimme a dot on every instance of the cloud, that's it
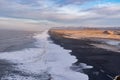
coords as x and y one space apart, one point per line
62 12
66 2
25 24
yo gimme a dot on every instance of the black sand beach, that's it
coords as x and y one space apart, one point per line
106 64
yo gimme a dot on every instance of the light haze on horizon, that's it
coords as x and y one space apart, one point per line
36 14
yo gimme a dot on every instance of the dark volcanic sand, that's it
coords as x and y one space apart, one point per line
106 63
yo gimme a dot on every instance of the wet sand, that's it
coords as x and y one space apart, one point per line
106 63
47 62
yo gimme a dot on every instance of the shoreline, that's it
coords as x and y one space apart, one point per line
50 61
105 62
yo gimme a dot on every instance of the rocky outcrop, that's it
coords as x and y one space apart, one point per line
108 32
117 78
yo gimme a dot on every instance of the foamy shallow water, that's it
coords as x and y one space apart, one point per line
47 62
113 42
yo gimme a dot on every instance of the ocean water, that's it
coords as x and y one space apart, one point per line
11 40
47 61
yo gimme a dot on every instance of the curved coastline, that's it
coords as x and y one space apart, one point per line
105 62
45 62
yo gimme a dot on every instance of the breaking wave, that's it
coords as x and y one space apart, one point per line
46 62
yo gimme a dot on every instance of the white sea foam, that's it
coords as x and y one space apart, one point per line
113 42
48 58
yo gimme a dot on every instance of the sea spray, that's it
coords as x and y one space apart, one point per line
47 61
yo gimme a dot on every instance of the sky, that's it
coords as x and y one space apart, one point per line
55 13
